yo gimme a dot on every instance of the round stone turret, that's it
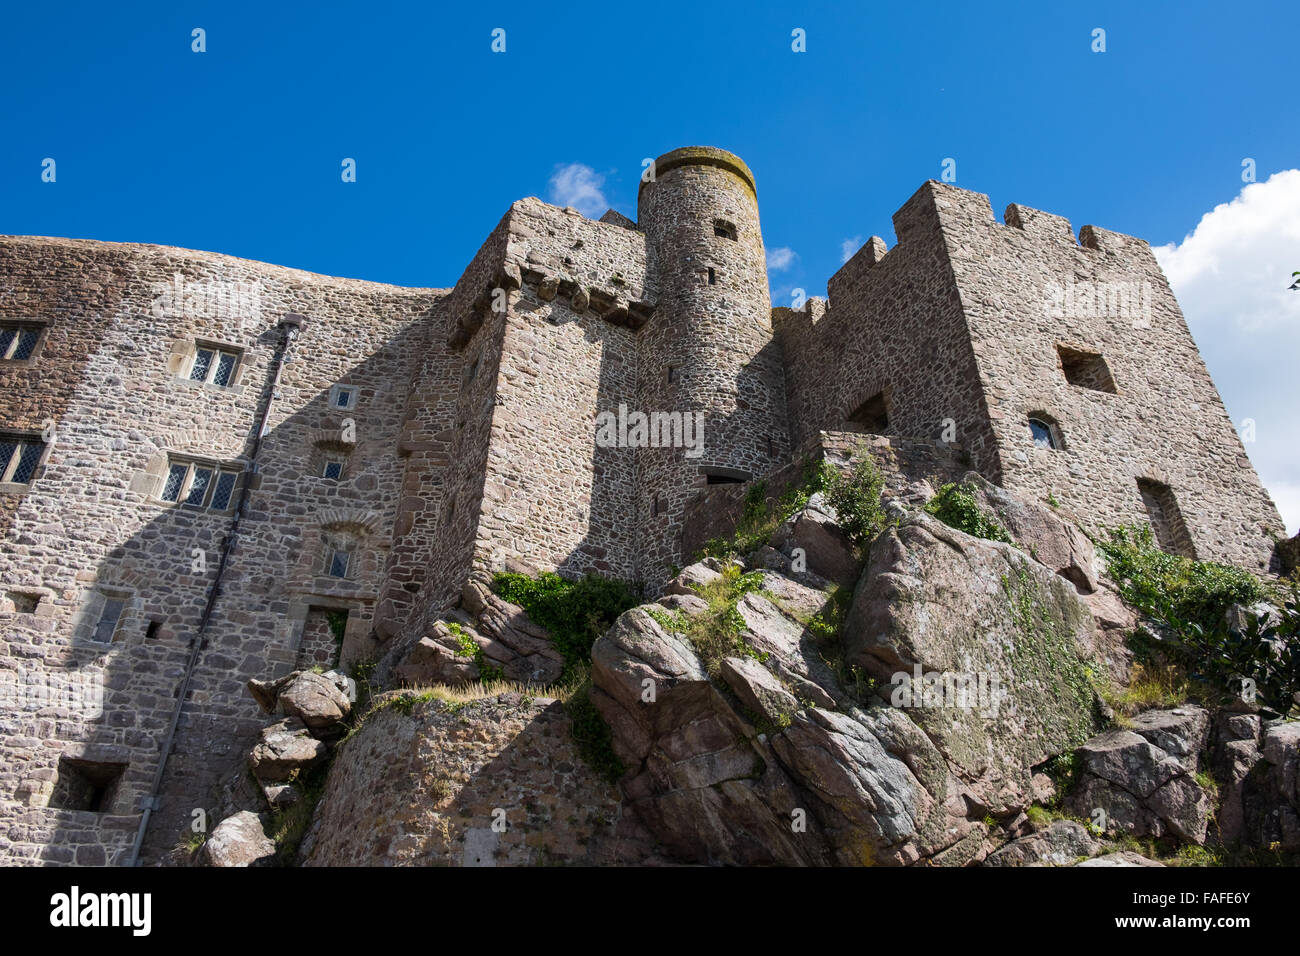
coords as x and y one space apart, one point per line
709 348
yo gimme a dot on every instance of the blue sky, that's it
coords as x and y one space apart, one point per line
238 149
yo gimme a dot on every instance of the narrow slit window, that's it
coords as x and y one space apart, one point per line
713 276
1167 522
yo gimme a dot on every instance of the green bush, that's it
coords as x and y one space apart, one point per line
574 612
1190 599
1171 587
855 496
955 506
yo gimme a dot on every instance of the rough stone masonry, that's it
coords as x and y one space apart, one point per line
217 469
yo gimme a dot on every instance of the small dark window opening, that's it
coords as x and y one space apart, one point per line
713 276
872 416
24 603
724 229
1086 369
1167 521
672 373
659 507
771 447
1044 434
725 476
151 631
86 785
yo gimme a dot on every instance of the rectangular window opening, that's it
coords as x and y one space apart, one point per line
18 341
86 785
109 618
1085 369
214 366
339 561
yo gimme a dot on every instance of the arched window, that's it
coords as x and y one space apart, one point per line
724 229
1045 432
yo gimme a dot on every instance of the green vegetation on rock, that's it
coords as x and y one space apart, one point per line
955 506
575 613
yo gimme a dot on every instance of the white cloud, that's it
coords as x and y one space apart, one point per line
1231 277
848 247
780 258
579 186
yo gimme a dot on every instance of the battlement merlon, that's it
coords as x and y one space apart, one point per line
955 212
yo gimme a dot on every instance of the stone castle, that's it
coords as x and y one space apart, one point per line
215 469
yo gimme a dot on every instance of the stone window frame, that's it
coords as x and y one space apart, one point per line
93 603
40 325
725 229
8 468
185 353
192 463
338 390
333 461
334 553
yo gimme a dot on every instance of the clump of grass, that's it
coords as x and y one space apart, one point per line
1150 685
717 632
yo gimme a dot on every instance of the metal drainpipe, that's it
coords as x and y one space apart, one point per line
291 324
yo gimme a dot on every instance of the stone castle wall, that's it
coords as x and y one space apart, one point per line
92 527
983 325
472 441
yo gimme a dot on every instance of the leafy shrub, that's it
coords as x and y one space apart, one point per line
855 496
955 506
1190 599
1171 587
574 612
760 515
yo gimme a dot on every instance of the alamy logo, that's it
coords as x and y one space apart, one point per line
654 430
1088 299
221 299
947 689
74 909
